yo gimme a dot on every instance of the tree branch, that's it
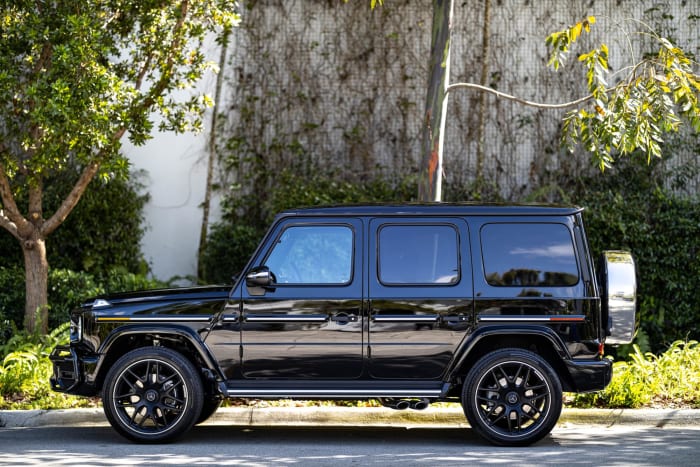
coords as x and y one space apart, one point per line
166 74
8 225
10 217
45 56
503 95
142 73
71 200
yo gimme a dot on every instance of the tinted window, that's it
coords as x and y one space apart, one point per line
528 255
418 254
313 255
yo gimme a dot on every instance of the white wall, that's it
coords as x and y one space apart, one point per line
176 171
176 167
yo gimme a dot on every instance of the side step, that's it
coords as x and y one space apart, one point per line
304 389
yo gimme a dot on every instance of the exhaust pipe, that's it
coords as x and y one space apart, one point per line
403 404
420 404
396 404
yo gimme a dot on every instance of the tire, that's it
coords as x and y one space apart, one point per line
512 397
209 408
152 395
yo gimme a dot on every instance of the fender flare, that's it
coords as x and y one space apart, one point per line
479 335
183 332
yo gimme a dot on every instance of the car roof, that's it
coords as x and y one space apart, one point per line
435 209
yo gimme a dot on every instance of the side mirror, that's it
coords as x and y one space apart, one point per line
260 277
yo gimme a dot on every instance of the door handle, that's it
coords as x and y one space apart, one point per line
343 318
454 319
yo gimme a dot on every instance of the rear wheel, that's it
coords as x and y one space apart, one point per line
512 397
152 395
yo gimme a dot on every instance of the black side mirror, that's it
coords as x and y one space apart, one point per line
260 276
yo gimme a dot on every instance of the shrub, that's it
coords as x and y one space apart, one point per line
633 210
12 290
671 379
229 247
25 370
67 289
121 280
24 365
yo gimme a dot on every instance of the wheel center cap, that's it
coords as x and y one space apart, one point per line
151 395
512 398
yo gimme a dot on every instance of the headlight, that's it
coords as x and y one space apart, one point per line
76 328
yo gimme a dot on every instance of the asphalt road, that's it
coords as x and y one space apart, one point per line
569 444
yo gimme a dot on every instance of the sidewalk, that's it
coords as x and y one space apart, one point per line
357 416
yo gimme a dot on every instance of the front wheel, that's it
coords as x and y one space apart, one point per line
209 407
152 395
512 397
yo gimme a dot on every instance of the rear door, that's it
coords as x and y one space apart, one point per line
420 289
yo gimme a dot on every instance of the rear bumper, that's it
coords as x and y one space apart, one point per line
69 372
589 375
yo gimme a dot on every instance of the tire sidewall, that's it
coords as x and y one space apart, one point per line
478 372
190 379
209 407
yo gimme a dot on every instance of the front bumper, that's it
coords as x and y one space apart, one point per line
69 372
589 375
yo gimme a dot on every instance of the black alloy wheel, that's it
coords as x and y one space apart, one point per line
152 395
512 397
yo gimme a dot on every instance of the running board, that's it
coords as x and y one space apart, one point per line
278 389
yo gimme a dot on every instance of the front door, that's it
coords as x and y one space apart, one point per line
308 323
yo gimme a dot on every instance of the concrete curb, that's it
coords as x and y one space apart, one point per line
356 416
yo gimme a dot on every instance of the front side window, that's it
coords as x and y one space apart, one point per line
312 255
517 255
418 254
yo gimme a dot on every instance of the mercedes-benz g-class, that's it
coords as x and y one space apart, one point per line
497 307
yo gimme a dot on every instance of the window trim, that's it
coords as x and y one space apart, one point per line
458 245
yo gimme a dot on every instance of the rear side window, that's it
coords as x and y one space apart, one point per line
418 254
517 255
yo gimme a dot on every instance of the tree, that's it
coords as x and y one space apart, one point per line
75 77
435 116
650 100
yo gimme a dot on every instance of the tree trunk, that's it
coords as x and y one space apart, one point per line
36 267
204 231
430 188
481 135
32 232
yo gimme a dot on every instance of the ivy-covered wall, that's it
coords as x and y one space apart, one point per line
331 84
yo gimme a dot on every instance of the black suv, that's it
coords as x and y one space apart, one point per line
497 307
